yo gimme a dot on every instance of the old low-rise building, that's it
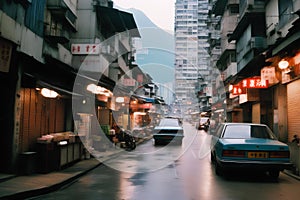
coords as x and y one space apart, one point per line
44 46
265 86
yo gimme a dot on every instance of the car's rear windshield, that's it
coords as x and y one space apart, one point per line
247 131
169 122
203 120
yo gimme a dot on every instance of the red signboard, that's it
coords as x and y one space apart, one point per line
254 83
237 90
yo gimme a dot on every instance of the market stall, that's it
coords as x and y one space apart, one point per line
58 150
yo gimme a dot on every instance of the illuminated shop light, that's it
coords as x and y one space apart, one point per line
61 143
283 64
95 89
49 93
92 88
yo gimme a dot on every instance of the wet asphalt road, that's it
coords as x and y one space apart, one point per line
174 172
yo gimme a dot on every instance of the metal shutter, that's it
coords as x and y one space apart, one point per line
293 107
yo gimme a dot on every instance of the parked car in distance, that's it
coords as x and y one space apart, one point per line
168 130
175 117
248 146
203 123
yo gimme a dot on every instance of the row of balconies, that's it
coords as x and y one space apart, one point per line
248 46
55 41
250 6
64 10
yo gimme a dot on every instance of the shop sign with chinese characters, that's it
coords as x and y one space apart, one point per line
254 83
5 55
269 73
249 83
237 90
128 82
84 49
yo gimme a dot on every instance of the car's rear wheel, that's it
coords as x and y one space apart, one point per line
274 173
218 169
155 142
212 158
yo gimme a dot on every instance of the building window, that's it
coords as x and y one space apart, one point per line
285 8
34 16
234 9
233 57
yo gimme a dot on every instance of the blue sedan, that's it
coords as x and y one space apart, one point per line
248 146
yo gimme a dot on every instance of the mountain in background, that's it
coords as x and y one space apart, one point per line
141 19
155 55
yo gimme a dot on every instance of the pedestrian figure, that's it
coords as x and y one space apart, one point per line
296 139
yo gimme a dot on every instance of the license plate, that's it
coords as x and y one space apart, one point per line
258 154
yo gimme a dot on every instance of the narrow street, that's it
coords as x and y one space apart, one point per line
75 73
173 172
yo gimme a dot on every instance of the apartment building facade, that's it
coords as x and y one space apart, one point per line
192 69
255 38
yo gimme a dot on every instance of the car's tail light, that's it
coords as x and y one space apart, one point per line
233 153
279 154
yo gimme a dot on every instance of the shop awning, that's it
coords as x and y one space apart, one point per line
145 99
159 101
102 80
113 21
130 23
288 43
57 75
58 89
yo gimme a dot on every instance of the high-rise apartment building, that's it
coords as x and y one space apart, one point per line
191 49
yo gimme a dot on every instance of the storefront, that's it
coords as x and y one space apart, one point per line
234 111
44 114
293 108
39 115
93 115
27 112
251 100
287 94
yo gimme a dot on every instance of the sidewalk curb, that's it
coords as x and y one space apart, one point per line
2 179
57 186
291 175
47 189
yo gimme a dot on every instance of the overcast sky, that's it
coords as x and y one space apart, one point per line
161 12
